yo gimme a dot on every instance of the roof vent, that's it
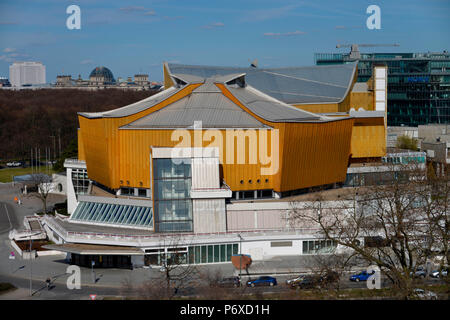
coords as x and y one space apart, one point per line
238 81
179 82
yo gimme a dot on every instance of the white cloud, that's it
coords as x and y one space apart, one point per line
276 34
9 50
139 9
213 25
87 61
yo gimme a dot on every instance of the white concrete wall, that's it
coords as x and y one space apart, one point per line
70 190
209 215
261 250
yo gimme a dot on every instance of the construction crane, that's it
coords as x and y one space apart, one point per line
366 45
354 53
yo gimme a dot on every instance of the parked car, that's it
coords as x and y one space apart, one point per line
307 282
14 164
362 276
262 281
229 282
290 281
439 274
419 273
424 294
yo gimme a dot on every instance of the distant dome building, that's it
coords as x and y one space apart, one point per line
101 75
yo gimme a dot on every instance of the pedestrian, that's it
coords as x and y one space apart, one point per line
48 281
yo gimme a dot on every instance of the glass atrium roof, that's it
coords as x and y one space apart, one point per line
113 214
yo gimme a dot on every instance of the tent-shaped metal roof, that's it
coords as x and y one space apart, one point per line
293 85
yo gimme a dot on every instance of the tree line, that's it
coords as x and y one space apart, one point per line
47 118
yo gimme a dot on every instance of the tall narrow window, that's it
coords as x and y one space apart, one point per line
173 206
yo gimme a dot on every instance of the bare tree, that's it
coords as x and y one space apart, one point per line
389 225
41 188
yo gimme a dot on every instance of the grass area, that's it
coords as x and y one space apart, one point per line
7 174
6 287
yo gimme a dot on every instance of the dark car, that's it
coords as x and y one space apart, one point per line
307 282
262 281
229 282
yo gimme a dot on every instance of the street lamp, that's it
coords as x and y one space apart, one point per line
240 255
31 261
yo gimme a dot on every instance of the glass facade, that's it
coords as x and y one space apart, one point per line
80 181
212 253
374 178
418 84
172 187
318 246
113 214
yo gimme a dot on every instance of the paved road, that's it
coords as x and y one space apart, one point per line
109 281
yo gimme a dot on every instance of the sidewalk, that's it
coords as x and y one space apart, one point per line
16 294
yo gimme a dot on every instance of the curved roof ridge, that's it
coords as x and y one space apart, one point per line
268 97
135 107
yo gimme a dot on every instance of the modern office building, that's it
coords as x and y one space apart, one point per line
418 83
208 167
26 73
4 82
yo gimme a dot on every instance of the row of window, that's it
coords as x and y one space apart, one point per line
173 205
192 255
80 181
217 253
252 194
135 192
212 253
319 246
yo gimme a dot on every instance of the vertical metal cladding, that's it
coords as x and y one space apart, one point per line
309 153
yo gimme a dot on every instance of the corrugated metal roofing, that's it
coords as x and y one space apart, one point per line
134 107
270 109
206 104
294 85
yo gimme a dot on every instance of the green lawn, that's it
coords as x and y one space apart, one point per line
6 174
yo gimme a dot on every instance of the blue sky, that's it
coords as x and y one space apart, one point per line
136 36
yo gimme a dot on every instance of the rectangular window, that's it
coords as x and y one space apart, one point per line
210 254
235 248
281 244
204 256
216 253
191 255
173 206
197 254
229 251
223 253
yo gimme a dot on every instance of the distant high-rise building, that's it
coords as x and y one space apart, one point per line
418 83
25 73
4 82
